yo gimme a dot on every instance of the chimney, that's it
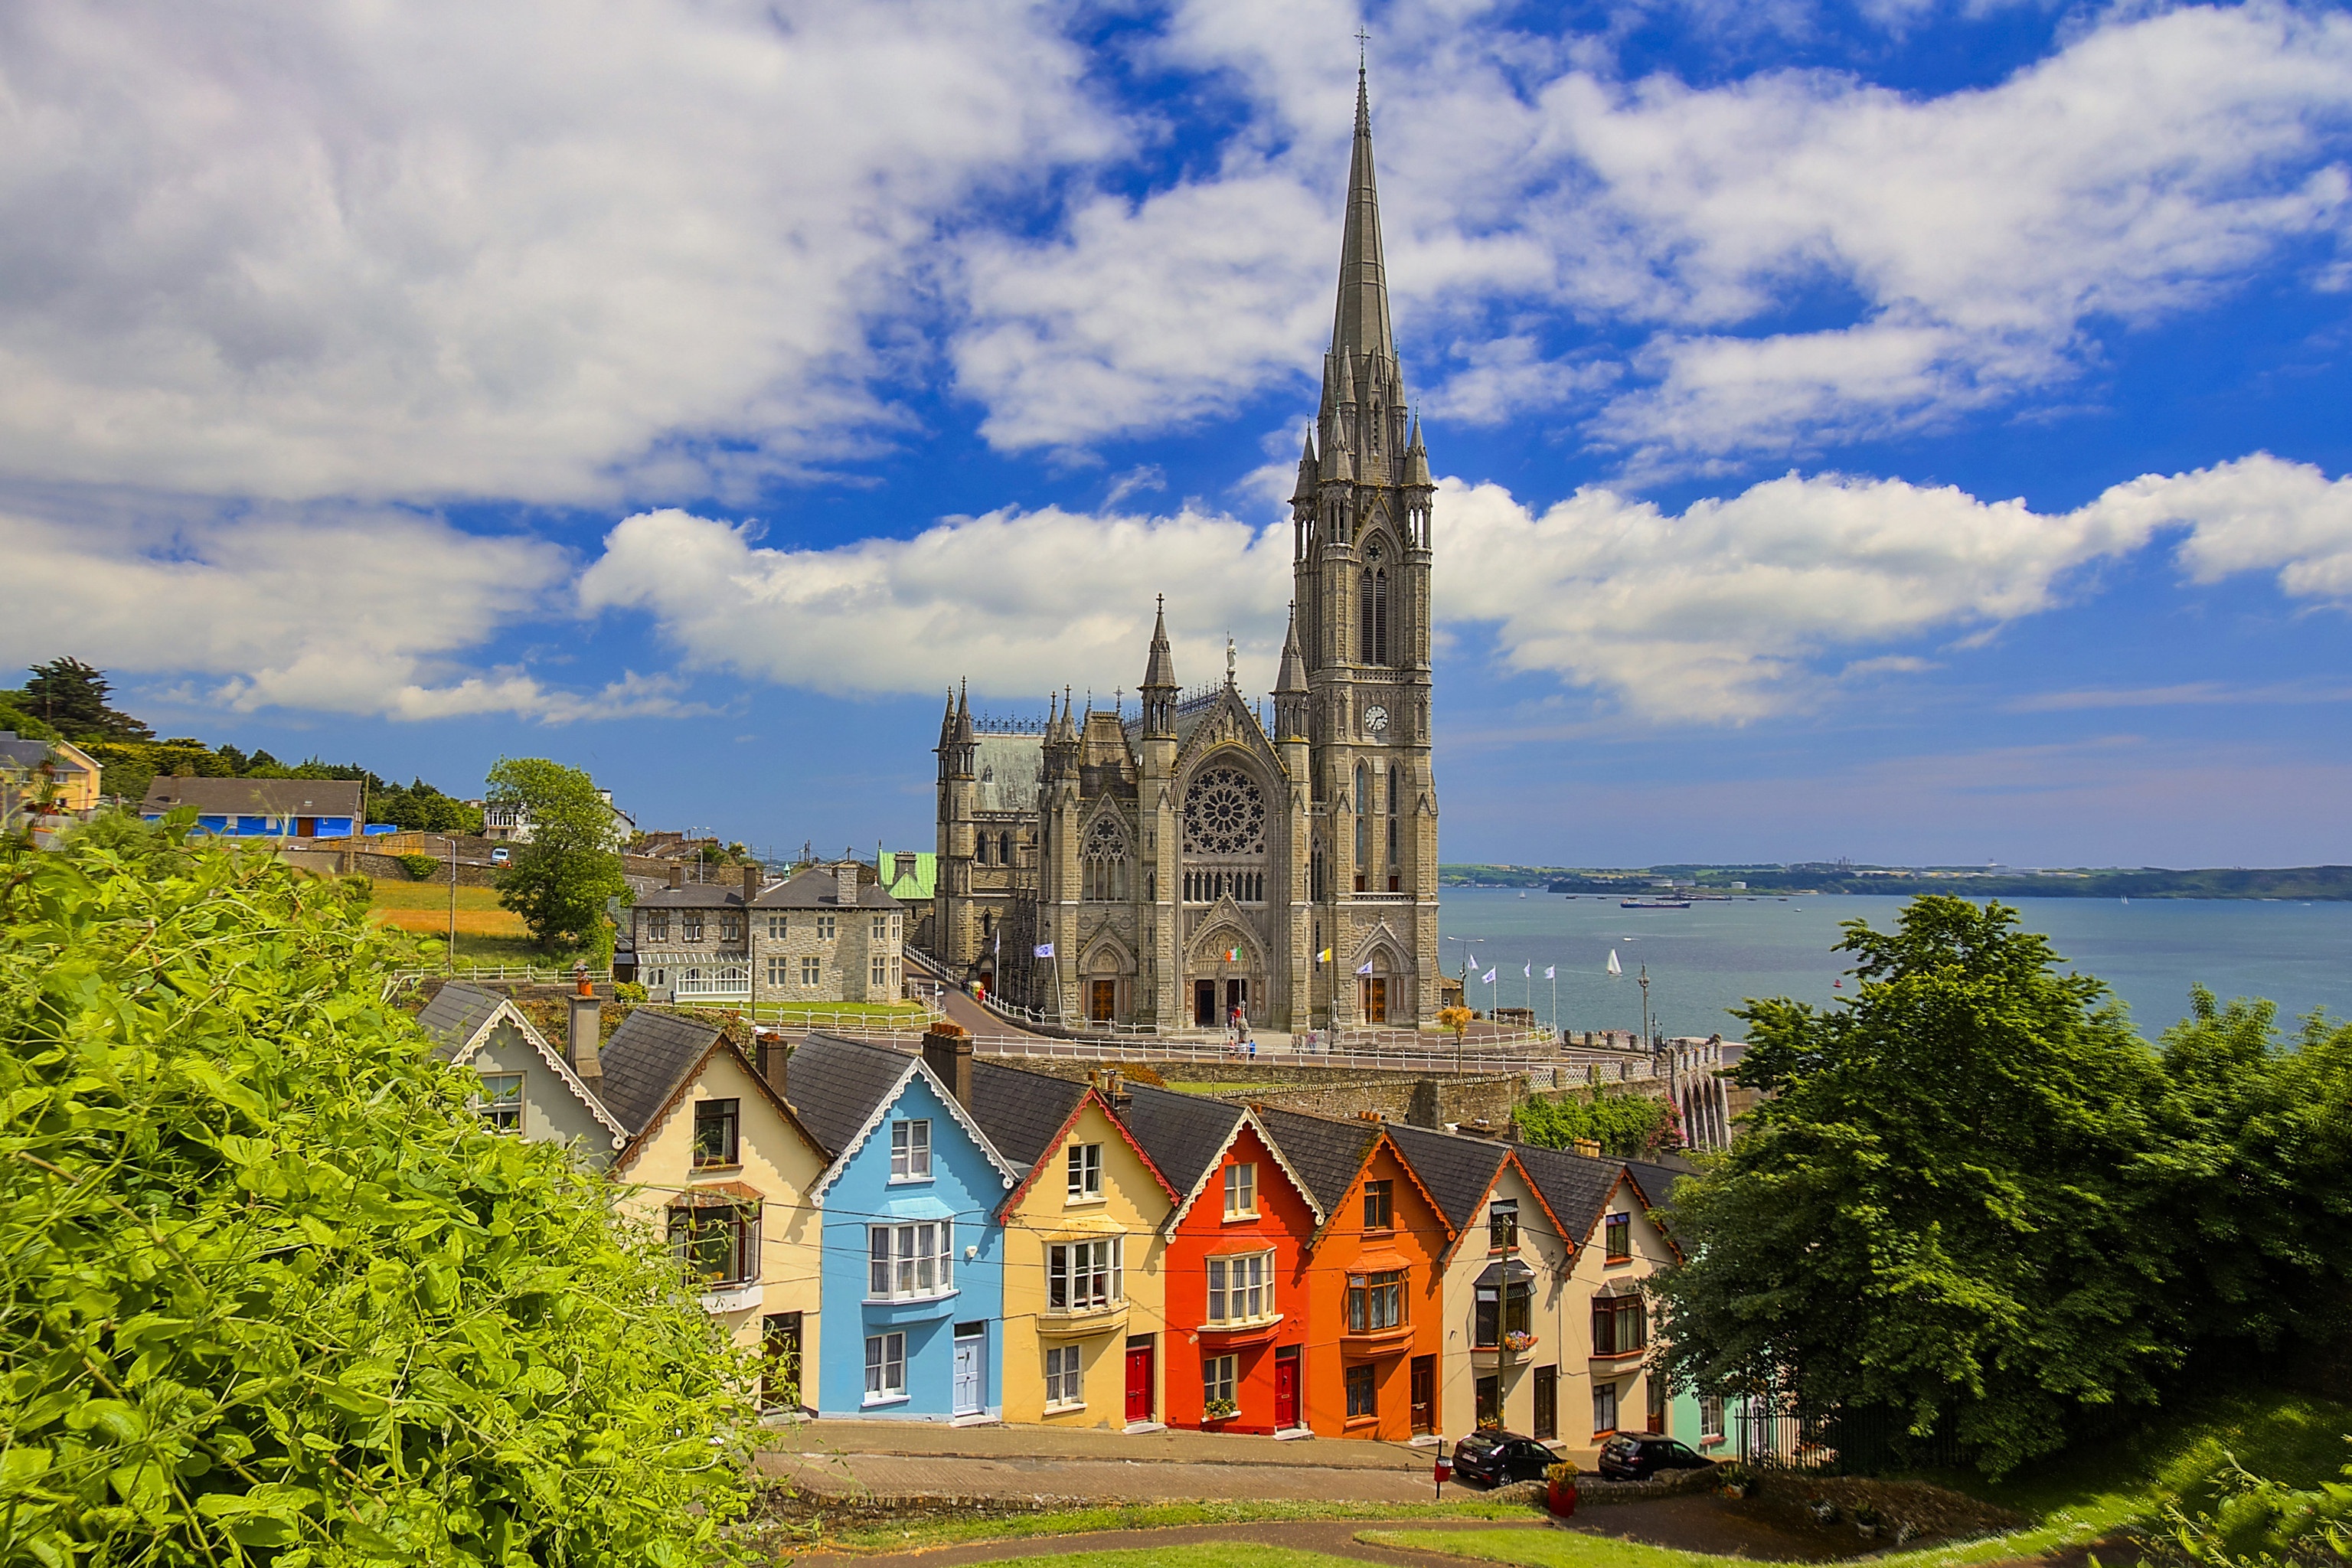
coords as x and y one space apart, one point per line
768 1055
751 884
586 1029
844 884
946 1051
677 876
1113 1089
1588 1147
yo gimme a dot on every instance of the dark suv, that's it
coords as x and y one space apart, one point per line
1498 1458
1638 1455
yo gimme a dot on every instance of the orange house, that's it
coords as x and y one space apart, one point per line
1375 1299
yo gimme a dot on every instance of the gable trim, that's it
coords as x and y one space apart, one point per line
1093 1096
505 1008
915 1067
692 1075
1248 1119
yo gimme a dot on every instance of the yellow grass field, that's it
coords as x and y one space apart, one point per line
424 907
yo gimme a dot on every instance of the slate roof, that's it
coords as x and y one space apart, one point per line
705 896
837 1085
1457 1171
818 888
19 754
1005 770
1022 1111
646 1060
456 1012
1326 1154
255 797
1181 1133
1574 1185
1657 1184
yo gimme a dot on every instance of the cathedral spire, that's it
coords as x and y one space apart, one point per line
1359 326
1159 669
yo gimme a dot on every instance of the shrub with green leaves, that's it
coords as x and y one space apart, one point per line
268 1291
419 866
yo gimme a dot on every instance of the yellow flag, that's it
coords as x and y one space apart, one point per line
1324 956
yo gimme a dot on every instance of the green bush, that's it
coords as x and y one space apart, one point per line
628 991
418 867
267 1289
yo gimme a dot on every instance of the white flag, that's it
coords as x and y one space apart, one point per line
1529 970
1045 949
1367 969
1488 978
1551 972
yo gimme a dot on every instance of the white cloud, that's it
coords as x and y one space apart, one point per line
369 613
543 251
1020 602
1977 238
1731 610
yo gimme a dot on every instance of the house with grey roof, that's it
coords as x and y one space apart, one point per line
261 808
827 934
722 1168
529 1088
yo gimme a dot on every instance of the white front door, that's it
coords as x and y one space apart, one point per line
971 1385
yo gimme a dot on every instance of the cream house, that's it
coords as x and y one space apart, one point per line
1602 1320
722 1167
529 1088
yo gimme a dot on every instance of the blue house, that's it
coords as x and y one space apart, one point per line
260 809
914 1255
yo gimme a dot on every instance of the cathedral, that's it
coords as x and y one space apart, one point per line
1170 866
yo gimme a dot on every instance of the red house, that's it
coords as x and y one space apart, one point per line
1234 1271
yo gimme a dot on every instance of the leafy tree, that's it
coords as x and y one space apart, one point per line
420 808
72 696
18 714
270 1293
561 882
1946 1207
1627 1125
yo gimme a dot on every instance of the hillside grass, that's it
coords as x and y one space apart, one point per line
1146 1516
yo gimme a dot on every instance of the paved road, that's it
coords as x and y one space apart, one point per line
1335 1538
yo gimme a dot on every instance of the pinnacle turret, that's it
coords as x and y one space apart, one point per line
1159 669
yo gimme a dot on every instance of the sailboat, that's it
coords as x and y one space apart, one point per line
1615 968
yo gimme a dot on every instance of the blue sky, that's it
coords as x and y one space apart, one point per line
1906 430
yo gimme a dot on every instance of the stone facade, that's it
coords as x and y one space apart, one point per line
1168 866
829 933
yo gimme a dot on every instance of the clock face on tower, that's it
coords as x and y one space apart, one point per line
1376 719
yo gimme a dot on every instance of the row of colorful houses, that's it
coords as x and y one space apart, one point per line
934 1237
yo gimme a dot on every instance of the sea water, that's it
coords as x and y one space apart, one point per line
1712 956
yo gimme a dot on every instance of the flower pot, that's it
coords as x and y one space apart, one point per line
1734 1490
1560 1497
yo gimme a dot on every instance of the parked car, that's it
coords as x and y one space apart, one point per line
1498 1458
1638 1455
501 855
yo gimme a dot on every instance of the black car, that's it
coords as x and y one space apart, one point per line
1498 1458
1638 1455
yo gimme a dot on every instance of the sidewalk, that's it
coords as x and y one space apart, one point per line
894 1458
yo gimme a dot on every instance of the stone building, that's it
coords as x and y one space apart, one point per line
1169 866
829 933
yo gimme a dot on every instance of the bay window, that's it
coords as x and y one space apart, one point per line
1375 1301
1241 1290
1083 1276
910 1262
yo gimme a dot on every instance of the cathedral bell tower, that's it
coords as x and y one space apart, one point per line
1360 566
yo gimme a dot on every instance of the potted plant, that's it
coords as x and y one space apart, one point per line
1220 1410
1518 1340
1866 1521
1737 1480
1560 1489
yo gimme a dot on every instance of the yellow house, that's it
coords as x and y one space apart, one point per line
1084 1306
720 1165
47 776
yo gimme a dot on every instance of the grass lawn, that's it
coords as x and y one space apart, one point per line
424 907
1154 1516
1209 1554
801 1011
2096 1491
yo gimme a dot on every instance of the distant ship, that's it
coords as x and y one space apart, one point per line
1655 904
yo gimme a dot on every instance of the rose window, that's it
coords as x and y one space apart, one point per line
1224 814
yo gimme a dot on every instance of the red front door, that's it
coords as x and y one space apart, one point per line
1139 1383
1285 1388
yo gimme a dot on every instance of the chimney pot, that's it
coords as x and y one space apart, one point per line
1588 1147
768 1054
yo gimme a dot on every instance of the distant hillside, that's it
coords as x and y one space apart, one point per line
2293 882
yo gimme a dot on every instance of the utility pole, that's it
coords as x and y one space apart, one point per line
1645 1006
451 840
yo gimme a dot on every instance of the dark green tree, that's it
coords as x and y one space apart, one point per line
72 696
1945 1208
561 882
270 1292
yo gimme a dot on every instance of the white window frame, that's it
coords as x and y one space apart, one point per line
777 926
1065 1378
689 928
879 971
910 1150
657 927
910 1261
881 928
1710 1417
1241 1190
1241 1287
1604 1399
885 1368
1218 1382
1085 1172
1086 1275
494 1104
824 928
